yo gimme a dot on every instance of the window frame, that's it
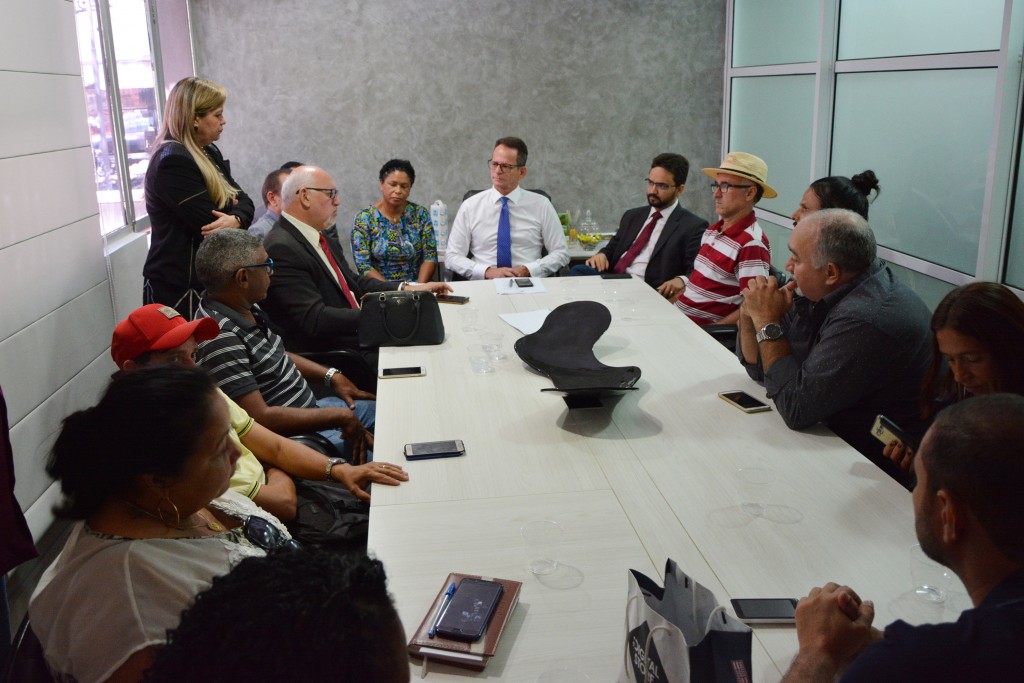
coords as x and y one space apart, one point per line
133 223
1003 167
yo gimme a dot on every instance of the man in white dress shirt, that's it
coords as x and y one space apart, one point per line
503 231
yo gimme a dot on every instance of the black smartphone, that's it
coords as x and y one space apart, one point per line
434 449
452 299
615 276
390 373
466 616
744 401
886 431
765 610
523 282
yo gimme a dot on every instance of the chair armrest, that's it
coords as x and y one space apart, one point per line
723 334
351 364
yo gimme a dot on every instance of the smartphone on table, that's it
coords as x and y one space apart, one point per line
434 449
467 615
744 401
392 373
523 282
765 610
452 299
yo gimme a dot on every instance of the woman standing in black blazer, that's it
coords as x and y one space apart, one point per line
189 193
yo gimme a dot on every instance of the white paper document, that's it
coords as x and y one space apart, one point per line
507 285
528 322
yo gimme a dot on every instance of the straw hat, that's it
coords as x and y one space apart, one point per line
746 166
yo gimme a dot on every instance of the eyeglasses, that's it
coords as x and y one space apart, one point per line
269 265
331 192
504 168
265 535
660 187
724 187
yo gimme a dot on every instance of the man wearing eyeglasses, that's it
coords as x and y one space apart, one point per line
734 250
314 296
657 242
503 231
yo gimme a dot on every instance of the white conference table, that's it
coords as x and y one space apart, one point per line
655 473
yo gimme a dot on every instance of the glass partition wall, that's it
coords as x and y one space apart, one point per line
926 93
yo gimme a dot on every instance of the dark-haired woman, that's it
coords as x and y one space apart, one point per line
189 193
838 192
977 337
394 239
146 474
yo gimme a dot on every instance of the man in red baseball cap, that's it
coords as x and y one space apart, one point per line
157 334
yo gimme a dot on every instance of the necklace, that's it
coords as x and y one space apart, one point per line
394 221
211 524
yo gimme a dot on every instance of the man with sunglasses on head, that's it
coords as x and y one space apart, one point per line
503 231
314 296
657 242
734 250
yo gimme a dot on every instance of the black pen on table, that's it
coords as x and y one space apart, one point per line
441 609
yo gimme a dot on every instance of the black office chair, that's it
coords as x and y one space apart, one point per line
470 193
25 662
726 335
350 363
318 442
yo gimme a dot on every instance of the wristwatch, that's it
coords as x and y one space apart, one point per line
329 375
331 462
770 332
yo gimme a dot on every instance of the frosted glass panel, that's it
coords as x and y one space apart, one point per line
776 32
778 237
1015 256
772 117
926 134
888 28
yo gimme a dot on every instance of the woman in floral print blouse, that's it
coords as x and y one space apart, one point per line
394 239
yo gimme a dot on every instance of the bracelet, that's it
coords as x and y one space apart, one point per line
329 376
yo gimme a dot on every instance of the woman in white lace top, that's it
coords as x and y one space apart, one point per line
146 474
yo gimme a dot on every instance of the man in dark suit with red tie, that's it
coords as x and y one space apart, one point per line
657 242
314 295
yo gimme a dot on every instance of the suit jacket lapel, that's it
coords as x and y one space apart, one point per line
312 253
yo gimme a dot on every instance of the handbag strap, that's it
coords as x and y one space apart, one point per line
647 649
383 302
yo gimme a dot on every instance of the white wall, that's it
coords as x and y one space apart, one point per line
55 310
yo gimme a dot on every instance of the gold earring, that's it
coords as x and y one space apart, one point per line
160 512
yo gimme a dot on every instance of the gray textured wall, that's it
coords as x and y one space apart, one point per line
595 87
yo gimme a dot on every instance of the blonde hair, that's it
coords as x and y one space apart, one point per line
191 98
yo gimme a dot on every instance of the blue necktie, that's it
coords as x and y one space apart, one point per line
504 236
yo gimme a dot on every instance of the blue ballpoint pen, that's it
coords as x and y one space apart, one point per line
441 610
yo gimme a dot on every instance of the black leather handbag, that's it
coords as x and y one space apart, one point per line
400 319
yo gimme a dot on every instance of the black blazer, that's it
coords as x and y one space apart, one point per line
675 251
308 307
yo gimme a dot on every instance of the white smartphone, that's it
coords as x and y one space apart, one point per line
744 401
391 373
765 610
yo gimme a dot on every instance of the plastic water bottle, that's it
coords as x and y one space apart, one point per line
439 217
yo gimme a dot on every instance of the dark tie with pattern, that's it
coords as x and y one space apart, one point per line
638 245
504 236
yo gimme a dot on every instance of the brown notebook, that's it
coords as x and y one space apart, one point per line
458 652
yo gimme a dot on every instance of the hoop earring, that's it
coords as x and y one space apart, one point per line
160 512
